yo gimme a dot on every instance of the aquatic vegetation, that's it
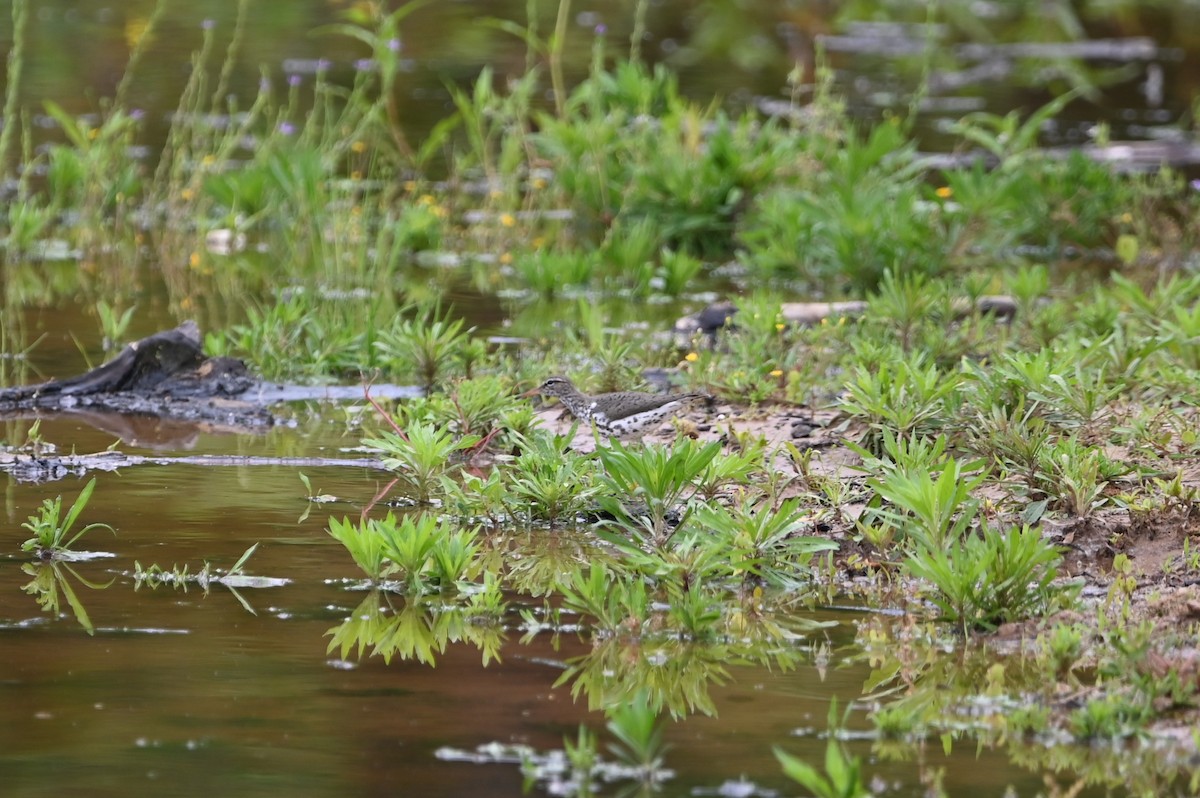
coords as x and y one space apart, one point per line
549 481
181 576
639 733
416 630
428 554
53 534
763 544
288 219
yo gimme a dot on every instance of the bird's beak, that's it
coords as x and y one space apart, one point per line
530 392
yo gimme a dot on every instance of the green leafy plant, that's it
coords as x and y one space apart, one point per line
423 455
639 736
999 575
365 544
50 584
931 511
549 482
763 545
843 774
426 346
643 487
52 530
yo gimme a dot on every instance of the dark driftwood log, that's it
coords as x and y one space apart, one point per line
167 364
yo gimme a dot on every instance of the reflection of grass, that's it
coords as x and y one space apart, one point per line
415 630
50 584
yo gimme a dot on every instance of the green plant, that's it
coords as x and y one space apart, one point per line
52 535
908 396
981 581
181 576
549 272
843 774
932 512
425 551
643 487
763 546
550 482
112 325
1108 717
423 454
364 543
616 603
583 754
50 579
426 346
1073 474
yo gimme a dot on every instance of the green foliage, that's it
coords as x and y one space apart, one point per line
365 544
424 455
549 481
843 774
931 511
615 604
425 346
643 488
639 735
50 584
1109 717
763 546
860 217
425 552
906 396
990 578
52 530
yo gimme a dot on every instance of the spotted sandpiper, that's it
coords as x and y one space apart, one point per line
624 414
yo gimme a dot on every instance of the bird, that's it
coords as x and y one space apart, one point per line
623 414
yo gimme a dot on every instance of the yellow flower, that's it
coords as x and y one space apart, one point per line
440 211
1127 218
208 160
358 146
194 260
539 242
185 303
506 258
777 373
945 192
410 186
187 194
425 199
356 175
692 357
780 326
538 183
507 219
